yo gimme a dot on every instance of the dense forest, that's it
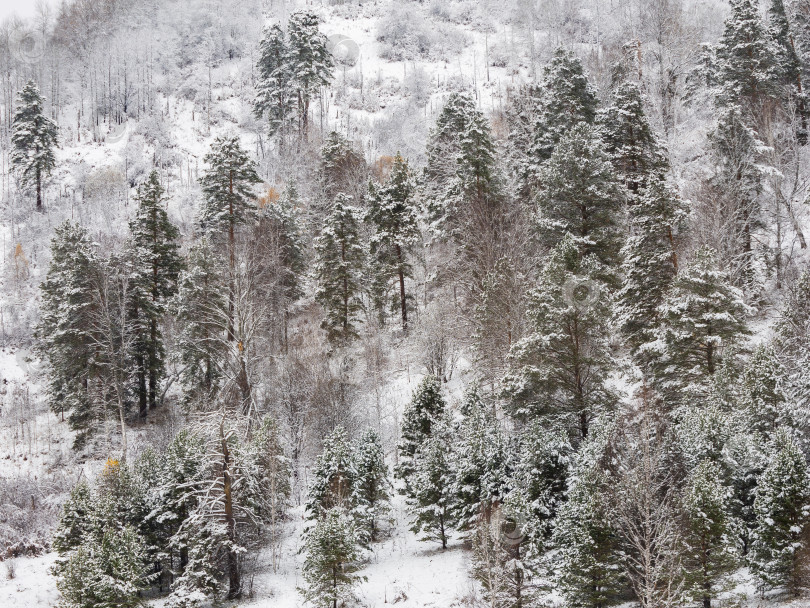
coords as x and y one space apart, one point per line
447 303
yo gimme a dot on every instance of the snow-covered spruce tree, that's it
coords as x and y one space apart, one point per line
275 92
702 316
158 265
650 260
33 140
430 495
334 477
182 465
629 139
793 342
392 213
786 60
229 200
103 558
782 508
443 158
588 567
465 194
567 100
223 521
427 406
480 456
201 309
76 522
581 197
762 394
65 331
105 574
340 258
331 562
309 62
742 65
711 554
541 473
372 486
559 369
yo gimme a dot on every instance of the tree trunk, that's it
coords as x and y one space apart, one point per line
234 578
401 273
39 190
153 364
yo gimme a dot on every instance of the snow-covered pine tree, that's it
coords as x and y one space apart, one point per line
75 523
201 309
310 62
331 562
541 473
480 461
793 342
66 330
787 63
229 200
222 521
334 477
338 271
581 197
650 260
372 486
182 465
711 554
274 91
559 369
567 100
782 508
158 265
745 57
427 406
430 496
702 316
762 394
629 139
33 140
392 213
103 558
105 574
588 556
465 193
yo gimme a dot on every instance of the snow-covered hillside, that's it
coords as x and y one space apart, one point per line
295 292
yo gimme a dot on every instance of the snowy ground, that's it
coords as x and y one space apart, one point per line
31 586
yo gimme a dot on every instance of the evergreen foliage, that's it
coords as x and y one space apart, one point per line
33 140
340 258
782 508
